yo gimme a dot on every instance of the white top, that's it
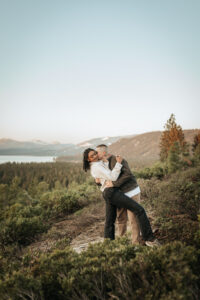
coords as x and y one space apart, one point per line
101 170
133 192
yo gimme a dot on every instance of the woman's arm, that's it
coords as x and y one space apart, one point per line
103 172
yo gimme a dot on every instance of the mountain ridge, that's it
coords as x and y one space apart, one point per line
137 149
40 148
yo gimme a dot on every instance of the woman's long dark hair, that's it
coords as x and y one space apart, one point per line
86 163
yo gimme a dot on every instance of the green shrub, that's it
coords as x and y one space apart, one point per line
179 194
21 230
18 209
20 224
58 203
177 228
42 187
197 154
20 286
197 235
175 204
158 170
109 270
61 202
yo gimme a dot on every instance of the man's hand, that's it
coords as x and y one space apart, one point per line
119 159
109 183
104 159
97 180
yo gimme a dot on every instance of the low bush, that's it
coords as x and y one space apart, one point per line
158 170
177 228
109 270
58 202
20 224
175 203
179 195
66 201
21 230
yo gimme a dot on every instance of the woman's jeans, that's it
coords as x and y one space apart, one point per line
115 198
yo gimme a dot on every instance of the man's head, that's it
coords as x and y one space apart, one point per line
102 151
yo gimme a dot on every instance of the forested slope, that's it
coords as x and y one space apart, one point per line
45 207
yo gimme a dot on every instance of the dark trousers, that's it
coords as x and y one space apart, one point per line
111 214
115 198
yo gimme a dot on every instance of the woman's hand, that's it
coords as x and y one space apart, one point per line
119 159
109 183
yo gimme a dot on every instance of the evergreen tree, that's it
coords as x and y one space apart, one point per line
197 153
196 141
173 159
172 133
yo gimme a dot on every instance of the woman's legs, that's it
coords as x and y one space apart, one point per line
119 199
109 227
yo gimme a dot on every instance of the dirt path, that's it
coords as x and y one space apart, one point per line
92 234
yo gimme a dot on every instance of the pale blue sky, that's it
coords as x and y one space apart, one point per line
74 70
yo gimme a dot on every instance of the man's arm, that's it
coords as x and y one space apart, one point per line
125 175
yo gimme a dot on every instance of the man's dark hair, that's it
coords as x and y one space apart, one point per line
86 163
102 145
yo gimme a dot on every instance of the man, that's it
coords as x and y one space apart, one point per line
115 196
127 184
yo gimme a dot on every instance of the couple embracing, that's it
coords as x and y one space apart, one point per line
121 193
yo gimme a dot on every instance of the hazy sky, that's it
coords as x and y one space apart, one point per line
74 70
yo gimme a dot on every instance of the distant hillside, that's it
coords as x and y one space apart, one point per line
40 148
144 148
102 140
89 144
35 148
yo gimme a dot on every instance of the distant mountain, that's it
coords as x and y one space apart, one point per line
37 148
77 157
102 140
40 148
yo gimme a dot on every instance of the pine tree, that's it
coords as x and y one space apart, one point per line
196 141
197 153
173 159
172 133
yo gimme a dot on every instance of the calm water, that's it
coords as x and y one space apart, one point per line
21 158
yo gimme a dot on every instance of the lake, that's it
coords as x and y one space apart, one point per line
25 159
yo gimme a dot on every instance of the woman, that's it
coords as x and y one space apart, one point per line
99 169
117 198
